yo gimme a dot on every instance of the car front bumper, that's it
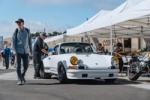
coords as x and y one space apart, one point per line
92 74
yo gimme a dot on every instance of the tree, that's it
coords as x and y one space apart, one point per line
55 33
50 34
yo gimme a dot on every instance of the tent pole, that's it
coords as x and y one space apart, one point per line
64 38
141 38
111 44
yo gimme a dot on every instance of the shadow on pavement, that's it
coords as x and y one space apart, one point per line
101 82
40 83
85 82
144 80
2 71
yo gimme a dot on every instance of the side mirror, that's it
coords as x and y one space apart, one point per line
54 53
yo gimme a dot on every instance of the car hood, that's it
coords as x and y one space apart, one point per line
92 61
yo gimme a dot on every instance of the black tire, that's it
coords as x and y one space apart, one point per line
62 77
110 81
134 76
133 73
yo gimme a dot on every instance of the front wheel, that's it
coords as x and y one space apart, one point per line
134 72
134 76
62 77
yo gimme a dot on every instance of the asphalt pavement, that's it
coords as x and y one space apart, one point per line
50 89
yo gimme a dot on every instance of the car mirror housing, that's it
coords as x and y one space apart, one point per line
54 53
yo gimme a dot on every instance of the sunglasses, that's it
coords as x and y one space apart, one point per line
19 23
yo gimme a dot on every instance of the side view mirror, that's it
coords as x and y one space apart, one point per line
54 53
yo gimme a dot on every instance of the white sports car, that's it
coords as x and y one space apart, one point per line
77 60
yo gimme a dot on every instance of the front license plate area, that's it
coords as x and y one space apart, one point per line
84 75
111 75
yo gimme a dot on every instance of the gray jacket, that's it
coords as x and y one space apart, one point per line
21 41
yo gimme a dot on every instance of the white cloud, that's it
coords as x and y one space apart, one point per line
37 26
8 27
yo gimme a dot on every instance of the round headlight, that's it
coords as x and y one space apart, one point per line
74 60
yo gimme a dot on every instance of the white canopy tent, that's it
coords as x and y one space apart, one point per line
61 37
54 38
103 22
81 28
132 17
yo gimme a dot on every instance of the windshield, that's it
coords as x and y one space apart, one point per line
75 48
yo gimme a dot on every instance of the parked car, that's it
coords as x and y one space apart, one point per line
75 60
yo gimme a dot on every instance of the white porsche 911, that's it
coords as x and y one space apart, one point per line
77 60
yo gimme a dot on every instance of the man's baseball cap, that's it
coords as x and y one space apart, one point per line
19 20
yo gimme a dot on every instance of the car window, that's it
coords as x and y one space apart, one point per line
75 48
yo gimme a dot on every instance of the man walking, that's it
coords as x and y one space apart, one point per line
22 47
38 50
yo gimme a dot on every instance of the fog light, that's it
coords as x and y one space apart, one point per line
81 67
113 67
74 60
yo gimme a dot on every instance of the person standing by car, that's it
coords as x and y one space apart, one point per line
118 53
22 46
7 54
38 51
100 48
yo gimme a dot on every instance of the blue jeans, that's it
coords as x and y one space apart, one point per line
25 59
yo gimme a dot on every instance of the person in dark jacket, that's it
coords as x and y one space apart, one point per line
22 47
38 51
7 54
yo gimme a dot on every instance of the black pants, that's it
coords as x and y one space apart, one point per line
120 65
38 64
25 59
7 62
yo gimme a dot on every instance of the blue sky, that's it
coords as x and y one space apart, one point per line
51 14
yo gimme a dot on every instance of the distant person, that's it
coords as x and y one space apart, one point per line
3 56
101 48
118 53
38 51
22 47
7 54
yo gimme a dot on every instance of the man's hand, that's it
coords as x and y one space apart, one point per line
44 51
